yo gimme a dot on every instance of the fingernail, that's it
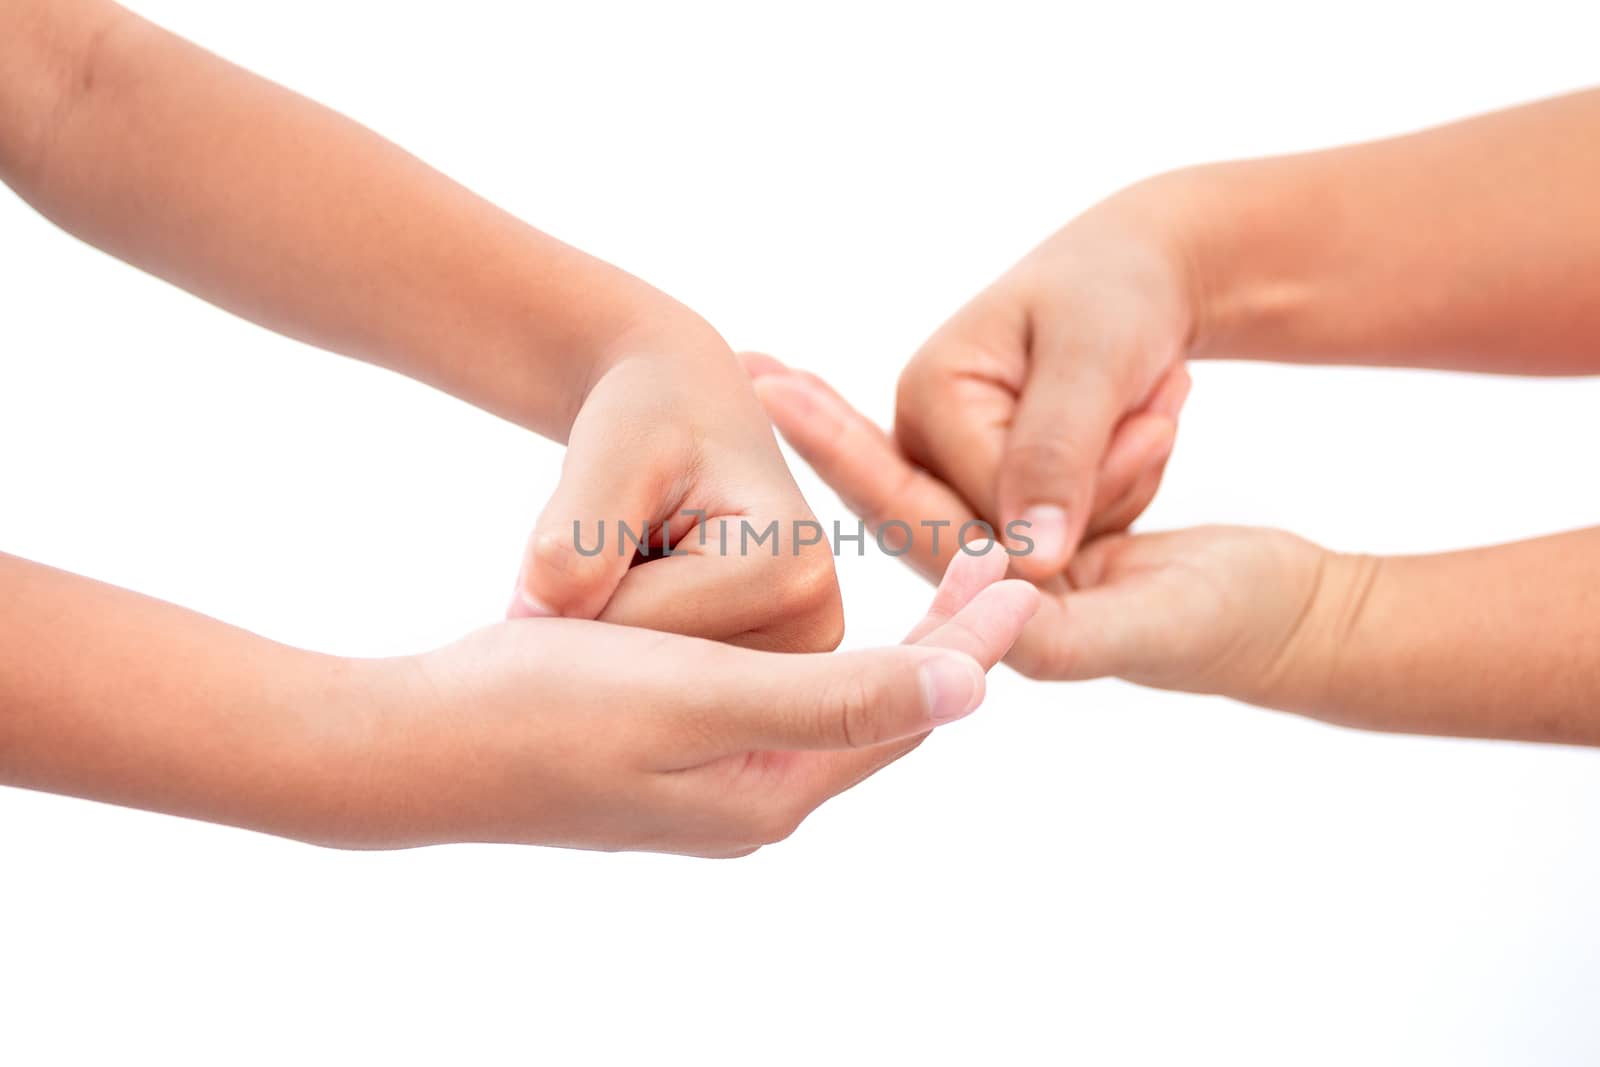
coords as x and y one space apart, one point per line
801 394
526 606
1046 526
952 686
760 365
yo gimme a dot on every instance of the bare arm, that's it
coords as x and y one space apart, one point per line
291 215
556 732
1053 396
116 697
1473 246
1493 642
1489 642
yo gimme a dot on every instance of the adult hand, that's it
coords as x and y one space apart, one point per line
588 735
1214 609
1053 396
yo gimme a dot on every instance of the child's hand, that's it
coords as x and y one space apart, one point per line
547 731
1216 609
301 220
671 433
1053 396
586 735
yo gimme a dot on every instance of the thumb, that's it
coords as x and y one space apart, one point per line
585 539
1058 437
849 700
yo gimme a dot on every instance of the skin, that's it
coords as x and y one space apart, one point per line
562 732
552 730
1473 246
299 219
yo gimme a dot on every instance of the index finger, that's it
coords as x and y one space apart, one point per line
870 474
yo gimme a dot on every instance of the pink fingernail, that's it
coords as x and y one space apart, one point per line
526 606
952 687
760 365
806 399
1046 525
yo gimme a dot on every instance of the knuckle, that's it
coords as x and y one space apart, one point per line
848 716
1049 453
809 582
779 820
802 610
555 553
828 627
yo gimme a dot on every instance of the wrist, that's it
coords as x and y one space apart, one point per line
420 758
1255 239
1158 216
1310 671
657 329
333 776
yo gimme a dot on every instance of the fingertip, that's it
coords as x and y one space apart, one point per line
803 412
560 579
525 605
1012 603
952 685
760 365
1040 540
1019 599
781 397
964 577
990 624
977 564
1047 523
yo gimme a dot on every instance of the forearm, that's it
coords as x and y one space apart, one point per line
1472 246
116 697
1493 642
297 218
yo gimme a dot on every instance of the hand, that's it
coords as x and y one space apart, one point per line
588 735
1053 397
671 435
291 215
1214 609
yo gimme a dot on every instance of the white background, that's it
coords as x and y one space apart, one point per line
1089 873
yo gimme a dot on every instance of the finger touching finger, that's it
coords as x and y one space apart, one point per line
970 572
